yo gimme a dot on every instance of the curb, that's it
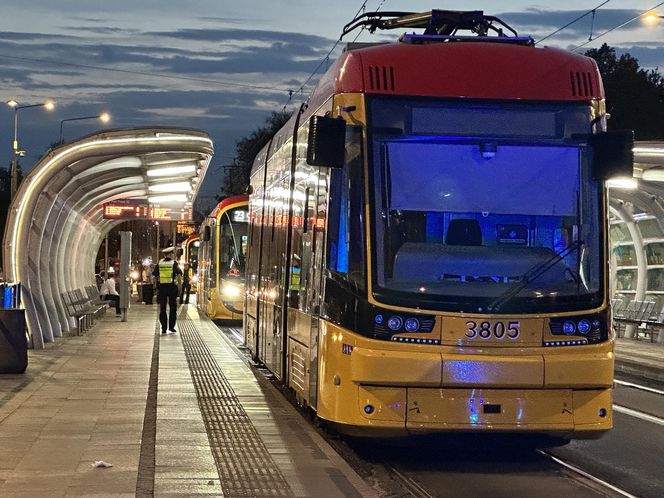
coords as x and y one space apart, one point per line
639 370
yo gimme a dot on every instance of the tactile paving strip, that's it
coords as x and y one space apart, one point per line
146 463
245 467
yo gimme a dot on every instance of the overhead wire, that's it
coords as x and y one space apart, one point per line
618 26
324 59
591 11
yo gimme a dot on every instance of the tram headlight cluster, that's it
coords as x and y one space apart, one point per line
394 323
592 328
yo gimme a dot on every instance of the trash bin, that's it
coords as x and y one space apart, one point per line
13 341
148 293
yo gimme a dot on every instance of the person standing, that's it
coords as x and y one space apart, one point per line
186 284
166 273
108 292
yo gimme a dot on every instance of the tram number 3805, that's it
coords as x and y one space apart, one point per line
496 330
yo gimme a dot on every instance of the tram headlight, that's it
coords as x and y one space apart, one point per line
412 325
569 327
230 291
584 326
395 322
378 319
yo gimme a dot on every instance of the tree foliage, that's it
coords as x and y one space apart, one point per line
236 178
5 197
634 96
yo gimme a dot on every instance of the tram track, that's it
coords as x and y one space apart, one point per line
585 475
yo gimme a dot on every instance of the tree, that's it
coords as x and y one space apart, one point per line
5 198
237 174
634 96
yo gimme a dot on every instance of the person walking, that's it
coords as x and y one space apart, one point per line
108 292
186 284
166 273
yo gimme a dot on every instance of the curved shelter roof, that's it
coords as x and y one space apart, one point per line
56 225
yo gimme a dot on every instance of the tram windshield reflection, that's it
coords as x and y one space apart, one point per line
458 220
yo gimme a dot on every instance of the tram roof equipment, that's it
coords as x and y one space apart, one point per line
439 25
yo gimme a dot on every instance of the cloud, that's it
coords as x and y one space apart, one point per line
648 57
225 35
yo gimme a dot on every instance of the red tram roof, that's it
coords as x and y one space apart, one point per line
482 70
228 201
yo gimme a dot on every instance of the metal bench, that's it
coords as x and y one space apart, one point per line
93 295
636 313
75 313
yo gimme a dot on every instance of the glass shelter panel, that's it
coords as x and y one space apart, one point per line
625 255
655 253
650 229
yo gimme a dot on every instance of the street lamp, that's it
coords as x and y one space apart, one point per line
49 105
651 18
104 117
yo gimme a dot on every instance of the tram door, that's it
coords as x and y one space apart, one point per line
272 278
315 278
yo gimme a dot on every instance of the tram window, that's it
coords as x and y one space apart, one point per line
508 214
346 226
233 243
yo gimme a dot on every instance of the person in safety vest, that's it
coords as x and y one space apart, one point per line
166 273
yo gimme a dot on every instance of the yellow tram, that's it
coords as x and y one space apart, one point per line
428 237
221 260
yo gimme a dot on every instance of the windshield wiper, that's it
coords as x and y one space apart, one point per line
533 274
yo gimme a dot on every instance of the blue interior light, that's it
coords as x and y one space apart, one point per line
395 322
412 325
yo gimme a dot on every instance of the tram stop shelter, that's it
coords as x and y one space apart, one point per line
56 225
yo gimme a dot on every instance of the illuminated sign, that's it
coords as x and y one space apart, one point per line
124 210
170 214
240 216
186 228
128 209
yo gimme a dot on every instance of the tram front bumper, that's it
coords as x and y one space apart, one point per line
562 412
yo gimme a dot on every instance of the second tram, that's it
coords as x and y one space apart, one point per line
221 260
428 237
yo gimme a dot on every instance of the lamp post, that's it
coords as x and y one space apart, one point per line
49 106
104 117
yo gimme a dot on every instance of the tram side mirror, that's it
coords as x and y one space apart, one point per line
327 141
206 233
612 154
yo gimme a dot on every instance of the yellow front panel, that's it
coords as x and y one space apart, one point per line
465 409
479 370
579 370
356 371
384 367
383 403
588 406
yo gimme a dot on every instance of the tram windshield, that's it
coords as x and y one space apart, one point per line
484 208
233 243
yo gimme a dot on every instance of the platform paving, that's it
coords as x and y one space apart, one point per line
641 359
89 398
